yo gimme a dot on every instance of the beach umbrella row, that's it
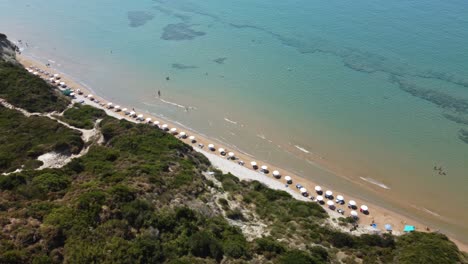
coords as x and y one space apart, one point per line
55 78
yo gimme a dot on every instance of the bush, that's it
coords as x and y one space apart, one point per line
418 247
9 182
51 182
29 92
203 244
82 116
296 256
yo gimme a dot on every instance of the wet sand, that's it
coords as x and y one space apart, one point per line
377 214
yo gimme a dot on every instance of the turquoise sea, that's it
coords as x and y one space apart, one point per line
364 96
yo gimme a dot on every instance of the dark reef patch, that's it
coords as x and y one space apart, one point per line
180 66
139 18
463 135
459 119
180 31
220 60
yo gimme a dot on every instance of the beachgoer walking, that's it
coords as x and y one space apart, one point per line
159 93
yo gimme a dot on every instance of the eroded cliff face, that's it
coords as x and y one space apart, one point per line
7 49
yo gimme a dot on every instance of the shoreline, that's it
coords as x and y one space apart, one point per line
378 214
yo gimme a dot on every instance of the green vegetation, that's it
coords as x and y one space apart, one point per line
27 91
142 197
82 116
23 139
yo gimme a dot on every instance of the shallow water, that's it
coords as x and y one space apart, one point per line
374 91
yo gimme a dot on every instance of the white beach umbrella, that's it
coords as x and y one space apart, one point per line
72 94
303 190
35 73
132 114
109 105
90 96
182 134
221 151
192 139
319 198
330 203
174 130
318 188
211 146
62 83
117 108
231 154
253 163
156 123
287 178
328 193
340 197
51 80
364 208
354 213
165 127
276 173
56 75
140 116
352 202
148 120
124 109
264 168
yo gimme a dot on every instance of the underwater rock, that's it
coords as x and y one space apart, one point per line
463 135
139 18
220 60
180 31
180 66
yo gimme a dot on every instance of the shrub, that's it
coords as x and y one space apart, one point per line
204 244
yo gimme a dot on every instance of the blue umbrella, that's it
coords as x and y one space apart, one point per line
388 227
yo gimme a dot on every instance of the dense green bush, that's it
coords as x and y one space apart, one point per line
82 116
27 91
23 139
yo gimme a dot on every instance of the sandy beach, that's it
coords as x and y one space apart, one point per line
377 214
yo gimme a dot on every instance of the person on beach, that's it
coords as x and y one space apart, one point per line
159 93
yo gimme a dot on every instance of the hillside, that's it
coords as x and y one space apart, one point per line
140 195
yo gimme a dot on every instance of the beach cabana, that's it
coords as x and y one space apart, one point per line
354 214
148 120
211 147
173 131
328 194
231 155
364 208
288 179
192 139
331 204
276 174
264 169
254 164
320 198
